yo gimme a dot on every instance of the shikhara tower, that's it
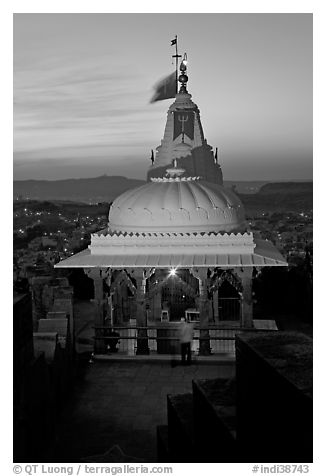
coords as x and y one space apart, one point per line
184 140
175 243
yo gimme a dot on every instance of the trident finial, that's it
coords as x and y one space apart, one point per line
183 78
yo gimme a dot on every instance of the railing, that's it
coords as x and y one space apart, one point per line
165 340
229 309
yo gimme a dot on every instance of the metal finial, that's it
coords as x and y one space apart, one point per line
175 171
183 78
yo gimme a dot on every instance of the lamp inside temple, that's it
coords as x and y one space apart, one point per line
173 272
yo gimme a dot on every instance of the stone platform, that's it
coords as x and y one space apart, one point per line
122 403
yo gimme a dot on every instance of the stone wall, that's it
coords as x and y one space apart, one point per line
274 397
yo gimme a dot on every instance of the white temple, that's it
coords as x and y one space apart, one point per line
172 244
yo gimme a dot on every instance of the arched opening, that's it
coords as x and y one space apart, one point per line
176 299
229 302
225 293
178 292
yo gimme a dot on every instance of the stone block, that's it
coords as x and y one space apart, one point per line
62 304
162 444
65 305
215 420
265 324
54 325
34 423
46 343
181 428
63 292
56 315
22 332
274 397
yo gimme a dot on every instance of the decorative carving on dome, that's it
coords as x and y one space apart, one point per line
203 213
185 214
146 210
175 179
166 213
218 212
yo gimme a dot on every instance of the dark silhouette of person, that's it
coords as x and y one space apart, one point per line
113 340
186 334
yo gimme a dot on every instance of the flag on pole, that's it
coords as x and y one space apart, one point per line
165 89
173 42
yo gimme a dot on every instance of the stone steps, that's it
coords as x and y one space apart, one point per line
265 415
181 428
201 425
215 420
162 439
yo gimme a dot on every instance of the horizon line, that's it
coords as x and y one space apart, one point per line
144 180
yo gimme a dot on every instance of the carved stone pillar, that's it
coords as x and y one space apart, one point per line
246 279
204 342
141 317
215 306
97 275
109 307
157 305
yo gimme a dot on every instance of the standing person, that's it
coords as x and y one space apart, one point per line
113 341
186 336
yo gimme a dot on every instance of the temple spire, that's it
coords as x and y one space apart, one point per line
184 138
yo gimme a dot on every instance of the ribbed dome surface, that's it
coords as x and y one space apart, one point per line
177 205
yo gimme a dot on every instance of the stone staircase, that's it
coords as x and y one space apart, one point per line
201 424
264 414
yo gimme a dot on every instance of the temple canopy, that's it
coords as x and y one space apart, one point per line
265 254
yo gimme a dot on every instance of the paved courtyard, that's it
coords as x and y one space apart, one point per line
121 403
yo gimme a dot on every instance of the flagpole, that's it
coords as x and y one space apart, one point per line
176 63
176 56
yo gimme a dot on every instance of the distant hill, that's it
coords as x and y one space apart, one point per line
284 196
256 196
286 188
253 186
245 186
98 189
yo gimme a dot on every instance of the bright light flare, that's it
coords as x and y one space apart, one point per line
173 272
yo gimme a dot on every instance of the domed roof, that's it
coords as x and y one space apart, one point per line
177 204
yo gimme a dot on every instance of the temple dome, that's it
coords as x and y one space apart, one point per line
178 204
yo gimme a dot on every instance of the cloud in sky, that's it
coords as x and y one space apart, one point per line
82 85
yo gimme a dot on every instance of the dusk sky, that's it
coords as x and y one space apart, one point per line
83 83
